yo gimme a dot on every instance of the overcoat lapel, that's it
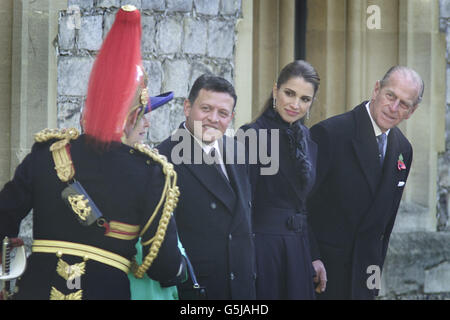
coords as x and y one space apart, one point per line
238 178
366 149
286 165
209 176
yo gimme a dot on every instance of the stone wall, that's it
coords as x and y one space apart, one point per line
418 262
443 211
181 39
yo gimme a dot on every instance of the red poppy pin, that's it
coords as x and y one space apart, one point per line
400 164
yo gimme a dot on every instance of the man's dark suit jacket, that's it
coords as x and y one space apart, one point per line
355 200
214 222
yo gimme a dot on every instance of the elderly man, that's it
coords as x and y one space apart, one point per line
363 163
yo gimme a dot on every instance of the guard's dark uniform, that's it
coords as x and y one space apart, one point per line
125 184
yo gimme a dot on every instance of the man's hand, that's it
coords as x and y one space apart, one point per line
321 276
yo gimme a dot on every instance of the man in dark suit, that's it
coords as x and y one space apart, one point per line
213 212
363 163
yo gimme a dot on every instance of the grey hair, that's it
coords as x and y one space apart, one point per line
408 71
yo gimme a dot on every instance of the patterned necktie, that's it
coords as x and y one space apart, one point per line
381 139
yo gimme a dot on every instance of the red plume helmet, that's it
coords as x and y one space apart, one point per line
114 78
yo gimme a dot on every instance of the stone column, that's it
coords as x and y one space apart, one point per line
422 47
372 48
244 63
6 27
273 47
286 33
326 51
33 106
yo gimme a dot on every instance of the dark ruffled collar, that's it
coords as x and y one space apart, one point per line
295 133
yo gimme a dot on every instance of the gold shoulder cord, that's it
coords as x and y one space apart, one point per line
169 196
63 163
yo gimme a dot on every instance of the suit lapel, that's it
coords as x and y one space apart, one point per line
385 193
209 176
286 166
239 180
365 148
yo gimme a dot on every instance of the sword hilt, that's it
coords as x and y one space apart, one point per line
6 264
6 256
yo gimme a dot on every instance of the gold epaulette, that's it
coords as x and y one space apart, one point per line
48 134
61 156
169 197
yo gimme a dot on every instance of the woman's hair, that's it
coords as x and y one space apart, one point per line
295 69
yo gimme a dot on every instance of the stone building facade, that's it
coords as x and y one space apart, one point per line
443 204
180 41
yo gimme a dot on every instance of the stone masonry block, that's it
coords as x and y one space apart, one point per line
195 36
413 259
197 69
230 7
108 3
69 114
73 75
148 34
158 5
434 278
108 20
66 35
448 84
169 35
207 7
154 72
447 38
136 3
82 4
179 5
220 39
176 73
226 71
177 115
159 124
90 35
444 6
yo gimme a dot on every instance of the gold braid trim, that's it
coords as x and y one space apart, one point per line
63 163
169 196
48 134
55 294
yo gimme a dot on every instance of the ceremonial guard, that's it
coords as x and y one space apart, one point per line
92 195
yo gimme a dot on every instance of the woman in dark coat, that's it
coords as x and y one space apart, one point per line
282 236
